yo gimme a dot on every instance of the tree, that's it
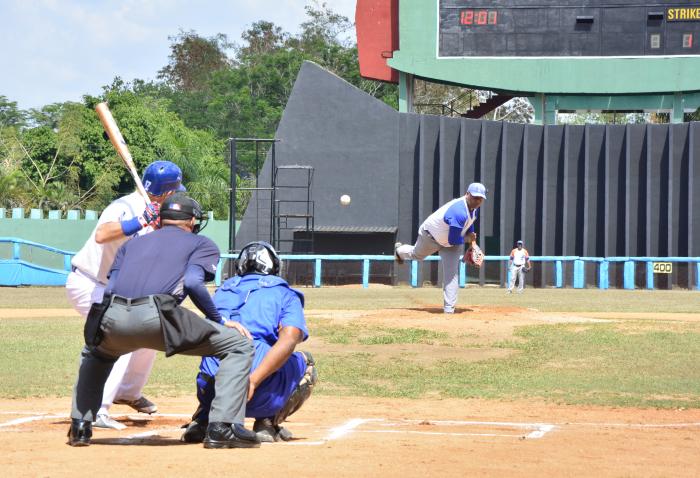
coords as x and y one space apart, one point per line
193 59
262 38
10 115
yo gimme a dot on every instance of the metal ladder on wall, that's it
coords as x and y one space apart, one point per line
293 209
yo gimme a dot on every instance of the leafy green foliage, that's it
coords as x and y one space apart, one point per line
56 157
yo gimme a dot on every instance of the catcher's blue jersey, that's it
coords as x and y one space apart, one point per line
263 304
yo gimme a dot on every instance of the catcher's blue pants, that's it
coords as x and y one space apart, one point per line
271 394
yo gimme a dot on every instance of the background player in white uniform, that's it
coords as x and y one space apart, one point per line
519 263
121 220
445 231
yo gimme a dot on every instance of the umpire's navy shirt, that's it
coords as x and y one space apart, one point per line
155 263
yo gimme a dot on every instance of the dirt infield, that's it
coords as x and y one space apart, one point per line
351 436
368 437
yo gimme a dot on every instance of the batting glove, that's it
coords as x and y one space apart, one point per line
148 218
151 214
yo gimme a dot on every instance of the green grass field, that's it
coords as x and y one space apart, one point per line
631 362
379 297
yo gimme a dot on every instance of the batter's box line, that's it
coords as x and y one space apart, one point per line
537 430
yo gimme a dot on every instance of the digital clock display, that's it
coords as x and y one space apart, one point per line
567 28
478 17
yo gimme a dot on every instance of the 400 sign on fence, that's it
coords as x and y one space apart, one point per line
663 267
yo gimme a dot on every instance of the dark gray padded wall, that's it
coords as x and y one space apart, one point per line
350 139
594 190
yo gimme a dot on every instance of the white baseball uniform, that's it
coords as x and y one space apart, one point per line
518 260
86 284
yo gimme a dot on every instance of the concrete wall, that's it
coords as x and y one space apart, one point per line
70 235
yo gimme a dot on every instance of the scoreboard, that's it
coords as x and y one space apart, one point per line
567 28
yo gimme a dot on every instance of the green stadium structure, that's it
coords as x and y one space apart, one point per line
564 55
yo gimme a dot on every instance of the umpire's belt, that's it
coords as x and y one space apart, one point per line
117 299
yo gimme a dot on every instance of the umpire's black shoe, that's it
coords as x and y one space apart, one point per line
195 432
227 435
79 433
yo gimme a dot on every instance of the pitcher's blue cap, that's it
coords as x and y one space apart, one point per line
477 189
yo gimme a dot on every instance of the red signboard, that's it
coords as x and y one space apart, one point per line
377 25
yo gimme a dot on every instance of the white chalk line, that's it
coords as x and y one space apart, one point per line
632 425
19 421
414 432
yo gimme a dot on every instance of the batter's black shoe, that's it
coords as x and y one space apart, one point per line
141 404
227 435
79 433
194 433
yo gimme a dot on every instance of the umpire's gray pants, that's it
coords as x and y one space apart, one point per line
449 256
128 328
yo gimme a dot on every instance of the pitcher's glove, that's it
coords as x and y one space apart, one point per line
474 256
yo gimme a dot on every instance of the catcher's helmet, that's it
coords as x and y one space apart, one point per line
161 177
258 257
180 206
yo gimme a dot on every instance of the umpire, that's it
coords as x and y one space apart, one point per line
151 275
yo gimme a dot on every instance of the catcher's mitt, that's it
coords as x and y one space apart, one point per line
474 256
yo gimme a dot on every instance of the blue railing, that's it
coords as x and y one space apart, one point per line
17 271
579 269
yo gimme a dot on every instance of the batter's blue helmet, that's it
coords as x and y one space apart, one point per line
161 177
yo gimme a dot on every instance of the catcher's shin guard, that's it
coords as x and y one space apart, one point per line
301 393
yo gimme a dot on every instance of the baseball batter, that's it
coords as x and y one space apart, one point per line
445 231
519 262
122 219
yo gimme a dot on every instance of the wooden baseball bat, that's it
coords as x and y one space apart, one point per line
115 136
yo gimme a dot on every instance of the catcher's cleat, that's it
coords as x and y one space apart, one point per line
269 433
194 433
79 433
227 435
396 253
141 404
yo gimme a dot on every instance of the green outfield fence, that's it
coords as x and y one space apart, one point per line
16 270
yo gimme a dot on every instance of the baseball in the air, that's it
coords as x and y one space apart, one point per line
345 199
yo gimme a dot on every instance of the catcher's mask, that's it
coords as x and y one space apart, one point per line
259 257
180 207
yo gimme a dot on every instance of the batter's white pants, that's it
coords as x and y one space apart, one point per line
449 256
131 371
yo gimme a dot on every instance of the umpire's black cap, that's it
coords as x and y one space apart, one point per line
180 206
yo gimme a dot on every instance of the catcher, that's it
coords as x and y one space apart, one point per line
444 231
281 378
519 264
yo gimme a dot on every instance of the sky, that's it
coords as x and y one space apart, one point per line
58 50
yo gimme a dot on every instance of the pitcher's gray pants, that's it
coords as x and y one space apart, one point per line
128 328
449 256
